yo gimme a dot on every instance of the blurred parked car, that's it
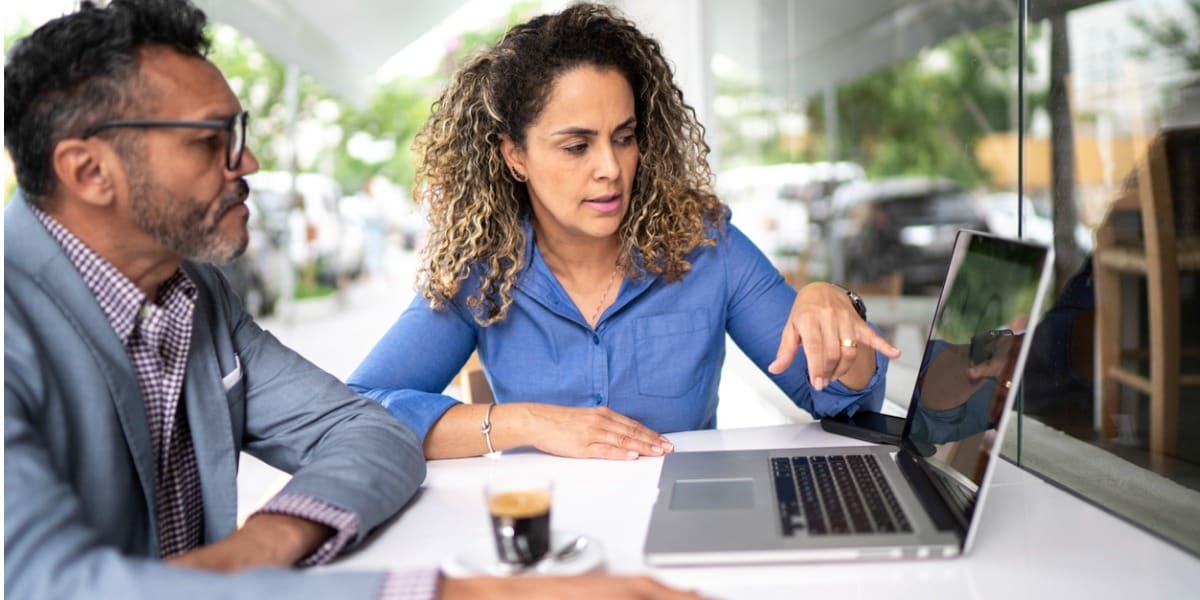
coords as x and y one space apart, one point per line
1000 212
774 205
319 234
904 225
261 275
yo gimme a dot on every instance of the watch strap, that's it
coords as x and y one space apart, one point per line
855 299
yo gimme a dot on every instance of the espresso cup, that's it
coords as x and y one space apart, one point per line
520 512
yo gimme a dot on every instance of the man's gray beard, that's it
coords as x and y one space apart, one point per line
179 224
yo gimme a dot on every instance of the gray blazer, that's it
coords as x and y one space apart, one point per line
78 464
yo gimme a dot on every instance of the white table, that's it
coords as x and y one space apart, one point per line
1036 541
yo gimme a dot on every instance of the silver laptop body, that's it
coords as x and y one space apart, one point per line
922 499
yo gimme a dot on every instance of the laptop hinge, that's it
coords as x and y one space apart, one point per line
944 513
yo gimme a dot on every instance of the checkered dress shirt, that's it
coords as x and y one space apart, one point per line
157 335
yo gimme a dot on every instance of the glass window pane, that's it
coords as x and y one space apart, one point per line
855 140
1112 151
852 142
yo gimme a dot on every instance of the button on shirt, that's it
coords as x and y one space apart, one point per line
655 354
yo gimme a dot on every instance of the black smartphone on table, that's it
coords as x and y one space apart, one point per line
866 425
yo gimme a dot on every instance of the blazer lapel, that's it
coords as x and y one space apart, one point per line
49 264
209 418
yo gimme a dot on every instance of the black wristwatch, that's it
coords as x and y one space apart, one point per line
855 299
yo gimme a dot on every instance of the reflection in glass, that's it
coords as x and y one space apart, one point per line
1100 153
968 369
919 98
1115 148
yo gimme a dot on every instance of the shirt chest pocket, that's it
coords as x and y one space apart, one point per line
671 349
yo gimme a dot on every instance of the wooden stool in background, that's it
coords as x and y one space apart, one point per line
1164 181
474 383
890 284
794 270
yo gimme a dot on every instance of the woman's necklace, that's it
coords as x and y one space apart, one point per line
607 289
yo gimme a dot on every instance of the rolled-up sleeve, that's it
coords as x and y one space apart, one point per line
836 398
415 360
342 522
760 302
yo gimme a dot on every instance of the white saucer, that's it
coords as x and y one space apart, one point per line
480 559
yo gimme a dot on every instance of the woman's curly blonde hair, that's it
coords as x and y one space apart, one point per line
476 209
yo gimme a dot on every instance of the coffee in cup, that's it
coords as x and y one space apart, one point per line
520 521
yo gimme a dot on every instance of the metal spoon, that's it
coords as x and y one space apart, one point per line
568 552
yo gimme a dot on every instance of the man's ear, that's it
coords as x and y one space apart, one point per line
86 170
513 154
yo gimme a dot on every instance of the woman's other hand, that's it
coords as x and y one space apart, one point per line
607 587
824 322
580 432
586 432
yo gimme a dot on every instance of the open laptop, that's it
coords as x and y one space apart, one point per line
922 499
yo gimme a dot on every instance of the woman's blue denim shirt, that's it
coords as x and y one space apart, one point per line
655 355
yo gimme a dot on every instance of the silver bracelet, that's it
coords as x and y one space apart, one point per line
487 427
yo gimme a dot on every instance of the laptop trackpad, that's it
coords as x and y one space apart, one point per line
712 494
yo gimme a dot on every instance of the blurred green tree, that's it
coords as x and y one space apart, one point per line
399 107
919 116
13 31
1173 35
260 80
924 115
390 118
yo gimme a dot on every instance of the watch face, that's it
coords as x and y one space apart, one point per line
855 299
858 303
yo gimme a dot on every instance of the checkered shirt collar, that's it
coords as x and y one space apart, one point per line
117 295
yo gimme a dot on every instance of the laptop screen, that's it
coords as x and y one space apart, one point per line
974 350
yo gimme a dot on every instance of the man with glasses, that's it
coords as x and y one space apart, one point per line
234 128
133 378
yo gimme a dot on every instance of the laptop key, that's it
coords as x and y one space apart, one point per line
889 497
855 510
827 490
872 497
964 502
785 495
814 516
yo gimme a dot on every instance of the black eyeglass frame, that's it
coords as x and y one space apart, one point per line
234 128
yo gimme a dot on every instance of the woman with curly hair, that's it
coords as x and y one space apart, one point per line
576 243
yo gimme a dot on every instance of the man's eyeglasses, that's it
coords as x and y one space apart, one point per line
234 128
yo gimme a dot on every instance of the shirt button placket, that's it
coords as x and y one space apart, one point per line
599 371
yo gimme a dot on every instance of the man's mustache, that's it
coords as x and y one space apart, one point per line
237 196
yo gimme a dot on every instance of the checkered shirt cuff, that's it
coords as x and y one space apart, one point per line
420 584
342 521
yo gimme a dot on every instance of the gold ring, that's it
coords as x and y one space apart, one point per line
849 343
1007 383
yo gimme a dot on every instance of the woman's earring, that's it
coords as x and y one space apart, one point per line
517 175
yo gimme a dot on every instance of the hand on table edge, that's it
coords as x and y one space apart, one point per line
265 540
582 586
568 431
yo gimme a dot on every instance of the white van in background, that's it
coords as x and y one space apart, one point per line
318 232
782 207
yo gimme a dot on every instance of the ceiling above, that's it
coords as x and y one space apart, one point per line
804 45
807 45
340 42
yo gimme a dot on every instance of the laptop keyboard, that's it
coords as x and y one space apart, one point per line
836 495
962 500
